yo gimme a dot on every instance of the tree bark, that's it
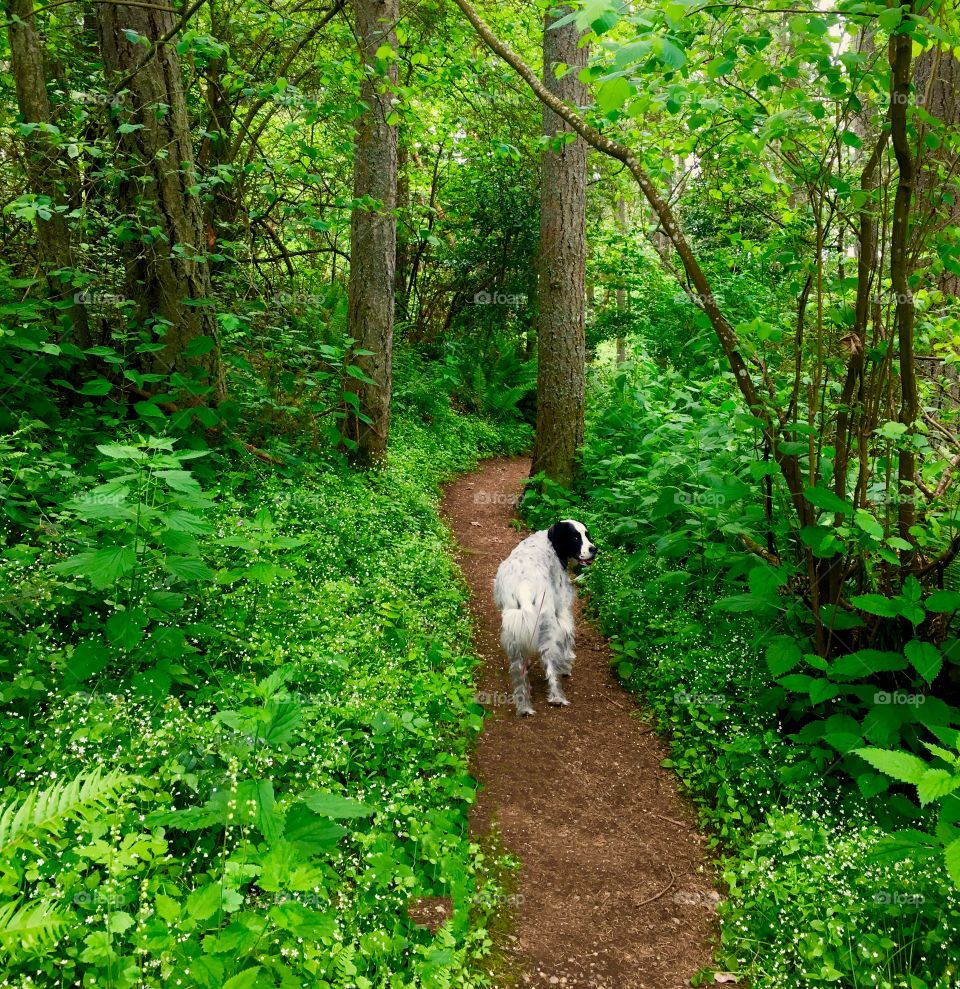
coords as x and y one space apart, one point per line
621 296
44 172
167 266
937 88
561 267
901 57
373 232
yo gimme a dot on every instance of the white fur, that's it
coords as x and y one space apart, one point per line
535 596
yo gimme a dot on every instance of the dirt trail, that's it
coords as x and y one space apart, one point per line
614 892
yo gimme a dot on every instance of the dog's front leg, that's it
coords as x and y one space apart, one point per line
566 653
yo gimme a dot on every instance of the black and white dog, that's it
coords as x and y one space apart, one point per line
535 596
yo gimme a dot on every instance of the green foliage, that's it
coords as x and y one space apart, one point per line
285 799
789 755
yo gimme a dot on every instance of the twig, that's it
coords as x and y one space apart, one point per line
665 890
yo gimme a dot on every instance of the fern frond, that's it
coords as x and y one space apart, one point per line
30 926
45 810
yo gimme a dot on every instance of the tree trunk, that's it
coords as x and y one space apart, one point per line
621 293
168 269
560 281
937 87
373 232
44 172
900 62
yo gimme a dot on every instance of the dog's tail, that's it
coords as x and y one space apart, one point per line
518 631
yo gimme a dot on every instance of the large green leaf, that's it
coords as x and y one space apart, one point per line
334 805
902 766
102 567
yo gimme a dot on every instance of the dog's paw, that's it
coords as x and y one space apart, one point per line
526 712
558 700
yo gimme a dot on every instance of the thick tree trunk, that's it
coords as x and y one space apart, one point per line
373 231
167 269
937 87
44 172
560 283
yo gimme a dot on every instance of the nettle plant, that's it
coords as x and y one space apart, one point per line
936 783
139 552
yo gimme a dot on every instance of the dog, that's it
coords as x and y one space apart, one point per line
535 598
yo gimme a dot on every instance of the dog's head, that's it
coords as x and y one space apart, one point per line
571 541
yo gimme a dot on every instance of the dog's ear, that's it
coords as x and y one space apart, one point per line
565 540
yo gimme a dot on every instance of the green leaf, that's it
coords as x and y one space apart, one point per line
613 94
936 783
200 346
118 922
868 523
103 567
285 718
247 979
876 604
89 658
316 832
799 682
126 628
333 805
167 908
720 66
951 857
866 662
188 568
925 658
828 501
889 19
900 766
669 54
117 451
98 386
943 601
823 690
204 901
783 654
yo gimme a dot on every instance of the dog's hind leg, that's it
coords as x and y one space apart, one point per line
554 663
519 667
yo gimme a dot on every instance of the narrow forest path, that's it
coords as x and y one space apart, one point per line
614 891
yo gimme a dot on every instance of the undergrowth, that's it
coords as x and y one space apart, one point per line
278 691
817 893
